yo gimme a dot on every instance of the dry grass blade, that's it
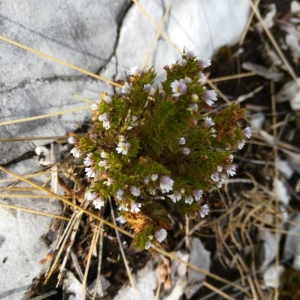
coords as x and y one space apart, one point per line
58 61
213 86
131 280
79 208
83 99
98 284
45 296
14 181
156 25
33 138
62 244
249 21
90 254
231 77
276 175
217 291
70 244
42 213
152 47
253 267
26 196
54 114
20 188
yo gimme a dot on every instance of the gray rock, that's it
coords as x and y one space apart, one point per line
200 26
80 33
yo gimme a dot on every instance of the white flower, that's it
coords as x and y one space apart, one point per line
91 195
103 163
181 141
90 172
135 207
209 122
185 151
215 176
148 245
241 144
94 106
175 197
189 54
197 194
105 119
209 97
152 191
98 203
72 140
103 154
147 179
219 168
76 152
204 63
231 170
230 158
148 88
188 199
88 161
221 181
204 211
178 87
182 62
202 79
120 194
123 148
166 184
193 107
109 181
123 206
135 191
160 235
121 219
247 132
122 138
154 176
126 88
135 71
107 99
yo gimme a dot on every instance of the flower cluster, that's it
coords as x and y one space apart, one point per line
150 144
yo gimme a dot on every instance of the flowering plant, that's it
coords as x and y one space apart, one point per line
152 143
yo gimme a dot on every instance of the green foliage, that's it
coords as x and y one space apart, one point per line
160 143
140 239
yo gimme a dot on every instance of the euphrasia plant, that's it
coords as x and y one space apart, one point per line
152 144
